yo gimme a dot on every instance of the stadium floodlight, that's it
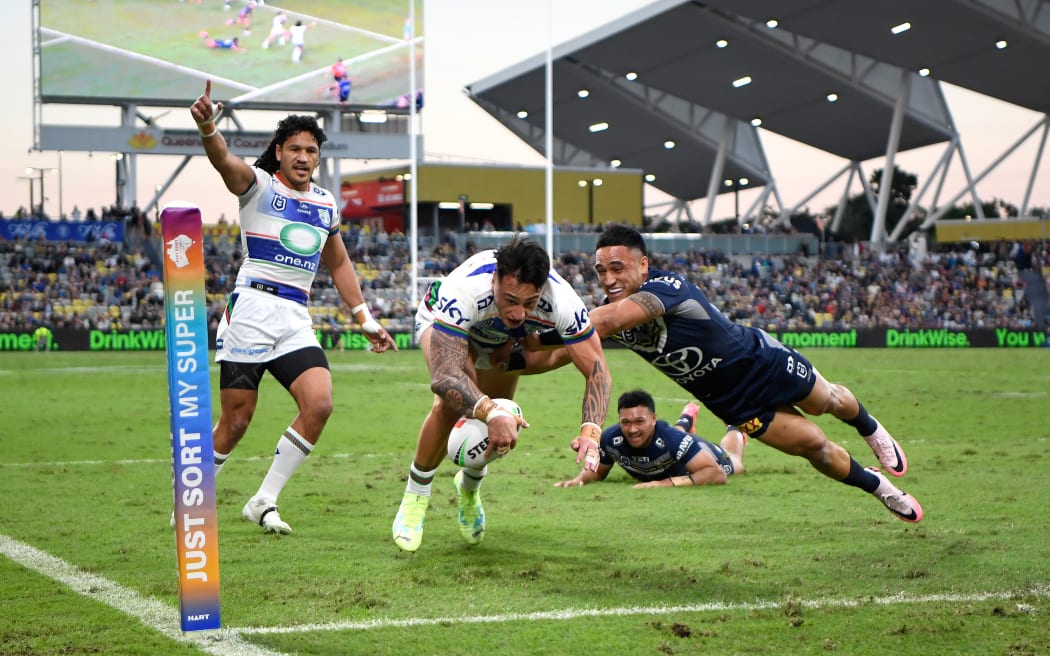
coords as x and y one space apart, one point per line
901 28
598 127
741 81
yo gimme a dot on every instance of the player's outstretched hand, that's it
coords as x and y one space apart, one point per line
203 110
578 481
380 339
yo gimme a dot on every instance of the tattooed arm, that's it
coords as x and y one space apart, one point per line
448 372
636 309
449 379
590 360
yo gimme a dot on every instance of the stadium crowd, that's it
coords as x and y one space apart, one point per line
116 286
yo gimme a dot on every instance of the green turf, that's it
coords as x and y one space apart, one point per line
780 560
152 49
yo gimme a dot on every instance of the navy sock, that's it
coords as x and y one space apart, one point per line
863 422
685 422
860 477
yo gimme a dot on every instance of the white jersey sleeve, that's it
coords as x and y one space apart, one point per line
568 313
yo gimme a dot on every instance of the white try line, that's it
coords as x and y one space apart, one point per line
576 613
229 642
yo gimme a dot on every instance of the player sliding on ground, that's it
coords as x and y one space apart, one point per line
484 303
660 454
742 374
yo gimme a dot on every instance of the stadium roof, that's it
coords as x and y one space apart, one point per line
704 71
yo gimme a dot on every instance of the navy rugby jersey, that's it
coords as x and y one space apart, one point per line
666 454
698 347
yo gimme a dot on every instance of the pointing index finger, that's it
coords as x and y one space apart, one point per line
207 88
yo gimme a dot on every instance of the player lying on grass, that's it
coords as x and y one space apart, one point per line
486 302
741 374
659 454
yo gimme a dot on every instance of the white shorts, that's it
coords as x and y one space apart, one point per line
260 327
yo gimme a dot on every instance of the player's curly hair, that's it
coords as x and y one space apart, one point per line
290 125
635 398
525 260
622 235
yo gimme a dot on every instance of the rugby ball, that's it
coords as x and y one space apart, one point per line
470 438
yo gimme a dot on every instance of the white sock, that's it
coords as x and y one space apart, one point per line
291 451
420 480
472 477
220 460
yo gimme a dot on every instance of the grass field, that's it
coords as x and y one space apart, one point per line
779 561
152 49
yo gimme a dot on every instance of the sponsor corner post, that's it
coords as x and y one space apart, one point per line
189 395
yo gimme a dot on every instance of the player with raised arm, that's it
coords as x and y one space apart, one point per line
742 374
490 299
289 225
659 454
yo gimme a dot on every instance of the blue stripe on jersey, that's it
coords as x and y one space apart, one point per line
267 250
484 268
280 290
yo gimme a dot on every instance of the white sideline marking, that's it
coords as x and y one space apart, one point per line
574 613
151 612
228 642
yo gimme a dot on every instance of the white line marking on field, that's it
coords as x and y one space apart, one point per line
228 642
151 612
154 461
574 613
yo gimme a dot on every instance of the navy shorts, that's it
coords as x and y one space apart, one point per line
779 376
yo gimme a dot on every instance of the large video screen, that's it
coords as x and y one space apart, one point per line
159 52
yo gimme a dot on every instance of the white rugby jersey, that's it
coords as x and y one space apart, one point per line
283 232
462 305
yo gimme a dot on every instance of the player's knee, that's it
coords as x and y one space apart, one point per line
316 409
237 422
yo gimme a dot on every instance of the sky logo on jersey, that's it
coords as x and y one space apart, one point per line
301 239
